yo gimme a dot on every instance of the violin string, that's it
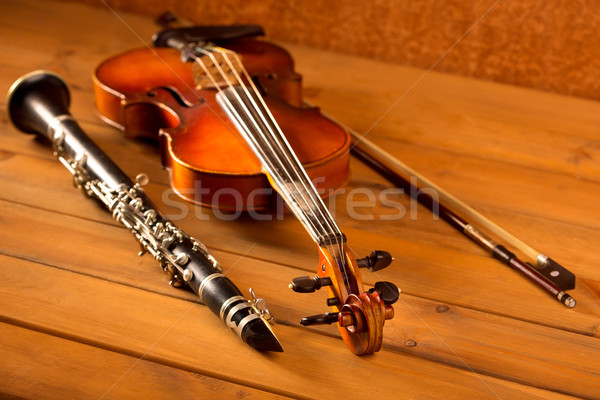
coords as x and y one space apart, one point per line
266 160
300 173
282 187
302 176
217 86
286 148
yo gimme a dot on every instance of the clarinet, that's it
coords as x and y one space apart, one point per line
38 103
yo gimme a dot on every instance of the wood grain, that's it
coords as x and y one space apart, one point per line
41 374
170 336
466 326
416 329
425 269
418 320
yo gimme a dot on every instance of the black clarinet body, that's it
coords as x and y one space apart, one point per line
38 103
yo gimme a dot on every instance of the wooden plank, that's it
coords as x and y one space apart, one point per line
449 334
455 114
182 335
565 201
423 269
522 352
573 199
541 232
50 367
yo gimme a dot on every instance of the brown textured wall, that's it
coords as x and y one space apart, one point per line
548 45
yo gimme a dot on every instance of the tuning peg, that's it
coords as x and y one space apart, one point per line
378 260
333 301
306 284
388 292
320 319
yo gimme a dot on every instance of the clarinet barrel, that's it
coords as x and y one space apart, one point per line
38 103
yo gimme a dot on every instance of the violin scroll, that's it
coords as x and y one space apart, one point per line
360 314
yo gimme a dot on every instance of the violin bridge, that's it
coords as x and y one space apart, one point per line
216 68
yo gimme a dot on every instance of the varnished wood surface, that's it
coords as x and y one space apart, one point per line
82 316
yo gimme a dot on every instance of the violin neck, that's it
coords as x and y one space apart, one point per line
253 119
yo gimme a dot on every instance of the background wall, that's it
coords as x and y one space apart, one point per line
547 45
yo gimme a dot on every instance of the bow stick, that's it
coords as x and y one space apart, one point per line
547 274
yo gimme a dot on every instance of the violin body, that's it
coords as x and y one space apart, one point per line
151 93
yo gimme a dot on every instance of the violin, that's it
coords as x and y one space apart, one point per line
227 110
151 93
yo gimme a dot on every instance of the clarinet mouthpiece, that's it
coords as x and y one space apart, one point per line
259 335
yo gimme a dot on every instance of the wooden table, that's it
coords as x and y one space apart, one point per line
82 316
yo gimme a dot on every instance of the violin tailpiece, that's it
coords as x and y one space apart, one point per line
215 69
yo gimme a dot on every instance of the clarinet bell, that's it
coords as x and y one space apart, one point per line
36 99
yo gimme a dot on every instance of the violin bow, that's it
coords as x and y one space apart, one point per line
547 273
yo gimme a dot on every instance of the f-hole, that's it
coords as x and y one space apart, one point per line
175 95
